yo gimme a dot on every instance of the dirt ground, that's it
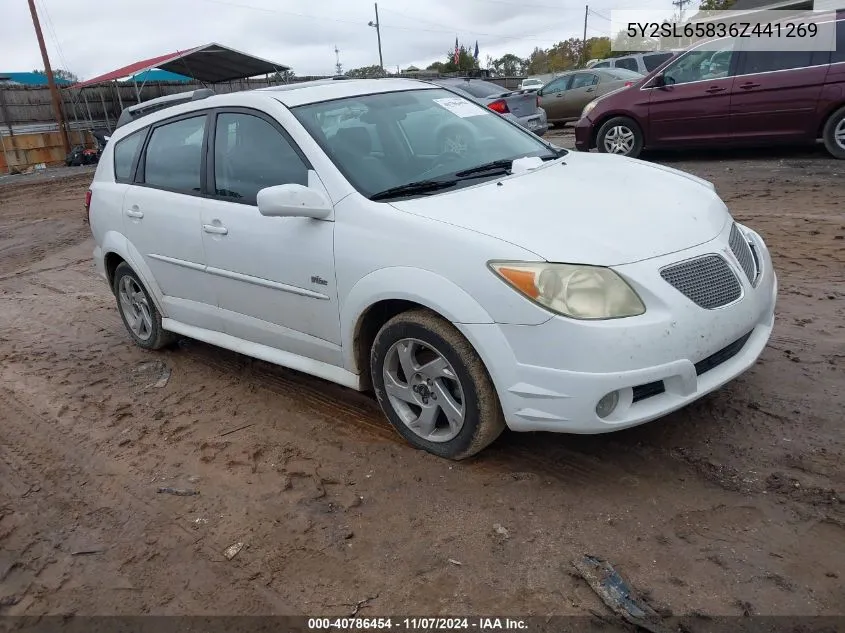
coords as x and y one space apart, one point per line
735 505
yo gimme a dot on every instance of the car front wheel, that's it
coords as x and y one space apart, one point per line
834 134
620 135
433 387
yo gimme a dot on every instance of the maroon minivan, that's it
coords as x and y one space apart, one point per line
731 96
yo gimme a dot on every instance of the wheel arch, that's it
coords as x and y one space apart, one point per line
833 109
116 250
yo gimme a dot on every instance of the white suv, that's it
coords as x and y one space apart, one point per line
470 274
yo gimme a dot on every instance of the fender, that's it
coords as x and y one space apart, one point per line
410 284
114 242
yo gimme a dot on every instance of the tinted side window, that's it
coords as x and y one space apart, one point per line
558 85
583 80
839 54
601 65
767 61
626 62
174 155
653 61
701 65
124 155
251 154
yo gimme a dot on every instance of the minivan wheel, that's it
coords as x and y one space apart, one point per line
433 387
834 133
138 311
620 135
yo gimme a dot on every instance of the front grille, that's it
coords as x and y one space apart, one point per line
708 281
742 251
648 390
722 356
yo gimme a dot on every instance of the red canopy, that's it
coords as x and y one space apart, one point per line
211 63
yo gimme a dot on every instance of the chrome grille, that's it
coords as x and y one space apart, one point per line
742 251
708 281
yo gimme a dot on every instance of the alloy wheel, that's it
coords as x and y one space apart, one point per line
839 134
424 390
619 140
135 308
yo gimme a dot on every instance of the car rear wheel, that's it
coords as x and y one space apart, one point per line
139 314
620 135
834 133
433 387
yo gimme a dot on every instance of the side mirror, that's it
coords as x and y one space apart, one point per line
659 81
293 201
540 92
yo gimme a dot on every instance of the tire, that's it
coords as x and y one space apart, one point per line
459 378
629 146
143 321
833 134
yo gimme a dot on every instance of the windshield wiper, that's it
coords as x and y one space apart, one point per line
412 188
503 164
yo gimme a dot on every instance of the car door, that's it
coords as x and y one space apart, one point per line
583 88
161 218
775 95
274 277
553 97
693 107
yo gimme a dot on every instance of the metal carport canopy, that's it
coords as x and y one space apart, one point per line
210 63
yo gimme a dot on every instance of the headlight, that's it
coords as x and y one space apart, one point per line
576 291
588 108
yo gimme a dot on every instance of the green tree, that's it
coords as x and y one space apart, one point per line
716 5
284 76
436 67
597 48
538 62
509 65
365 72
58 73
465 61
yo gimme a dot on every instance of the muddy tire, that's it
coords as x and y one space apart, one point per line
620 135
833 134
433 387
139 314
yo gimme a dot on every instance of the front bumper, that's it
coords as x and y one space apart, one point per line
583 134
550 377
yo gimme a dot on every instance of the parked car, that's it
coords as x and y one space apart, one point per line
531 83
730 96
437 280
642 63
565 96
539 120
523 105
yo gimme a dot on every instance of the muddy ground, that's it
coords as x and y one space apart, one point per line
734 505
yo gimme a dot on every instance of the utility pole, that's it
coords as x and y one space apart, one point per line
378 33
584 40
337 66
681 4
54 91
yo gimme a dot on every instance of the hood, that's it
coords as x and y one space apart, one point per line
586 208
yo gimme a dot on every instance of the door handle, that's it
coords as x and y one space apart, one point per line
214 229
714 89
591 89
134 212
749 86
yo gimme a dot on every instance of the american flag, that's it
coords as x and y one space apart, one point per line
457 52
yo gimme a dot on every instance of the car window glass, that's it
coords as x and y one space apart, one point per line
653 61
479 88
621 73
124 155
558 85
701 65
174 155
839 54
583 80
251 154
347 116
768 61
626 62
602 65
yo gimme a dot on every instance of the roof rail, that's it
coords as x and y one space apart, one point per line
202 93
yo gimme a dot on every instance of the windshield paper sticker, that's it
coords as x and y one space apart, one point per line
460 107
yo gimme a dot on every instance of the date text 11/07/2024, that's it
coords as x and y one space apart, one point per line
417 624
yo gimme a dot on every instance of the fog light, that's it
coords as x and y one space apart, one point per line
607 404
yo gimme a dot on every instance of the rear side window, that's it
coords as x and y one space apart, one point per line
124 155
174 155
583 80
768 61
626 62
251 154
653 61
839 54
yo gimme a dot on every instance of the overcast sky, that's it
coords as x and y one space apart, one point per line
90 37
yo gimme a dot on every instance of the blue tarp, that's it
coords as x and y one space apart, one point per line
158 75
29 79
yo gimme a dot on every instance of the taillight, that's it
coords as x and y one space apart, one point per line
629 83
87 204
500 106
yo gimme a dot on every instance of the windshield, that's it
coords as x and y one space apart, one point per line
393 139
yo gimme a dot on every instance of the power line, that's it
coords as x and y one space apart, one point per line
603 17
